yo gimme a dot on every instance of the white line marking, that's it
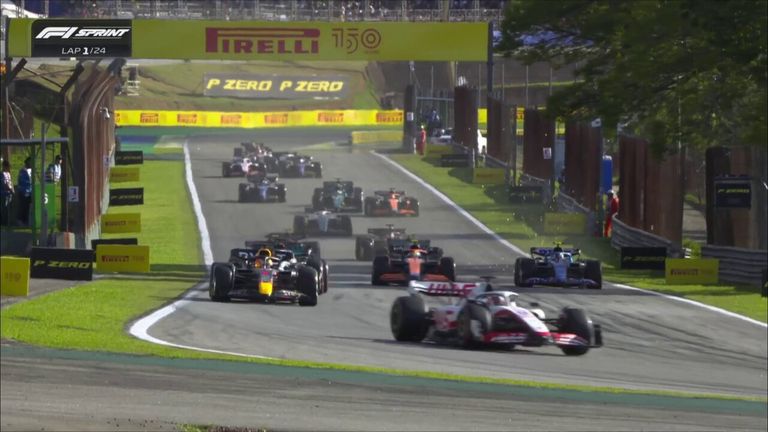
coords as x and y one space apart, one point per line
519 251
140 328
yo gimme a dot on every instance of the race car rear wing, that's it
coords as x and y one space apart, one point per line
446 289
545 252
381 232
387 192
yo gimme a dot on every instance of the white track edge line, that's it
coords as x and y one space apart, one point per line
519 251
140 328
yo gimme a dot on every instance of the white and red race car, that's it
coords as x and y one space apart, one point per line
482 316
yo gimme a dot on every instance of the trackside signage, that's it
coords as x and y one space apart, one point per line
643 258
69 264
274 87
526 194
122 174
483 175
95 243
122 258
129 157
127 196
81 38
121 223
15 276
689 271
249 40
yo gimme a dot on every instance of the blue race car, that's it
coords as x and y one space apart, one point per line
557 266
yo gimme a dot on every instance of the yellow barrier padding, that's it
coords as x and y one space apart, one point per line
122 258
122 174
121 223
258 119
437 150
564 223
371 137
488 175
689 271
15 279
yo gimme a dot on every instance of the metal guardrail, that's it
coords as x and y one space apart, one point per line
737 265
623 235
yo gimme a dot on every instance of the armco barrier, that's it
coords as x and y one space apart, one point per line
374 137
623 235
738 265
566 203
529 180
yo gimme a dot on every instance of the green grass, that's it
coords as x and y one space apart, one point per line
523 226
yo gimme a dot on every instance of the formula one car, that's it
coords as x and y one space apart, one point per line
295 165
484 316
251 150
305 252
261 189
322 223
268 275
391 203
238 167
339 196
376 242
557 267
412 260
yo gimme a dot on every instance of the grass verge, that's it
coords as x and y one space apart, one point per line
94 316
523 226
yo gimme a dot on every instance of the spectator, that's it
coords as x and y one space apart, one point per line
53 173
24 191
613 208
7 194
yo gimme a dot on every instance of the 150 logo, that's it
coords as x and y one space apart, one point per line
351 39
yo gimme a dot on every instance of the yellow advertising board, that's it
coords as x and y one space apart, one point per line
372 137
122 174
122 258
484 175
564 223
259 119
121 223
690 271
435 150
15 276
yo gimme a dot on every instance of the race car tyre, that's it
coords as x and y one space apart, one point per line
448 268
472 312
576 321
319 171
357 199
314 249
435 252
309 286
281 193
222 281
594 270
299 225
363 249
346 225
242 192
317 199
238 153
325 277
379 248
524 268
408 319
225 172
380 266
368 205
415 207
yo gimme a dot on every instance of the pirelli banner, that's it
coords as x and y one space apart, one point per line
122 258
121 223
248 40
259 119
275 87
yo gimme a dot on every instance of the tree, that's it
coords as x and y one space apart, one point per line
671 71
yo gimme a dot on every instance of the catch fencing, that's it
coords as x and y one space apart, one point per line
738 265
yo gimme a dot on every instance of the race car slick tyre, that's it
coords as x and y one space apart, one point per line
380 266
309 286
524 268
222 281
448 268
242 192
319 172
281 193
346 225
363 248
472 312
325 277
299 225
594 270
225 169
415 207
317 198
357 198
408 319
368 205
576 321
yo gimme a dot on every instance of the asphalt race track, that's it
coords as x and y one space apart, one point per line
651 342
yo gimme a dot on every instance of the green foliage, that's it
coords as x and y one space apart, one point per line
672 71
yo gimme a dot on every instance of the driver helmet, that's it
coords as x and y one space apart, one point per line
559 256
264 252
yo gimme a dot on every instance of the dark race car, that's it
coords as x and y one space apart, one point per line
412 260
296 165
376 242
483 316
338 196
322 223
391 203
251 150
268 275
261 189
558 267
305 252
